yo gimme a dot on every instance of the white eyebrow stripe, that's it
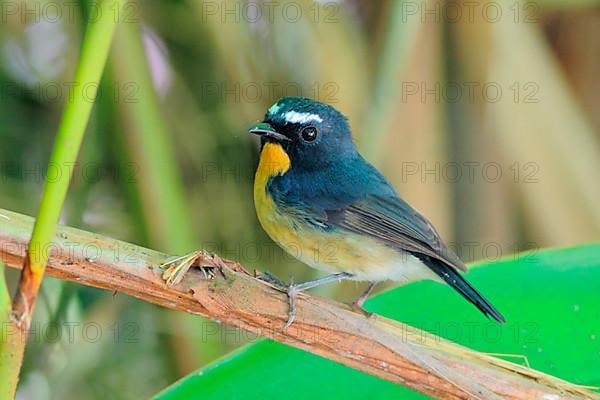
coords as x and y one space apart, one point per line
301 118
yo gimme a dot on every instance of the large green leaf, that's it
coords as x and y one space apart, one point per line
550 299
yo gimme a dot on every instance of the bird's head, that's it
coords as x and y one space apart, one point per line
312 134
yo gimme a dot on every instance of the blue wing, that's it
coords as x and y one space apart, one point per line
393 221
359 199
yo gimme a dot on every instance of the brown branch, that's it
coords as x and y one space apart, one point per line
377 346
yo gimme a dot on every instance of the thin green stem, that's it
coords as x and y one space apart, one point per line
68 140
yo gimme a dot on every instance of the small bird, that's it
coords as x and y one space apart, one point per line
323 203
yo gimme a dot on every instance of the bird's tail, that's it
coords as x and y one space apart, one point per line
455 279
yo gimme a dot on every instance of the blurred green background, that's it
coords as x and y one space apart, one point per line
484 116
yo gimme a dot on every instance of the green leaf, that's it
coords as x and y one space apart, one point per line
550 300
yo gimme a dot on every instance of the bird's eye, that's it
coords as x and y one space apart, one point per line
309 133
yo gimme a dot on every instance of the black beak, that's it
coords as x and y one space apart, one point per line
266 130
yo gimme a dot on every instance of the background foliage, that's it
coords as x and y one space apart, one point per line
166 161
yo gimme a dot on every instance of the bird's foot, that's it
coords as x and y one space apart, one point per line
291 290
357 306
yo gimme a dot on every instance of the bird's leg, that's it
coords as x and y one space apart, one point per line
321 281
293 289
358 304
365 295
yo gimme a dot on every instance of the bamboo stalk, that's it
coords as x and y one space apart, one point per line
378 346
64 155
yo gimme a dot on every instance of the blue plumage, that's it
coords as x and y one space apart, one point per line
327 192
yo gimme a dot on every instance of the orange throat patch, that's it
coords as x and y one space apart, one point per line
273 161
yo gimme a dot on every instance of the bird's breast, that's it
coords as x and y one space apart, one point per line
273 162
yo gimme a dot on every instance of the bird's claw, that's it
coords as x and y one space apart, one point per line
291 290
